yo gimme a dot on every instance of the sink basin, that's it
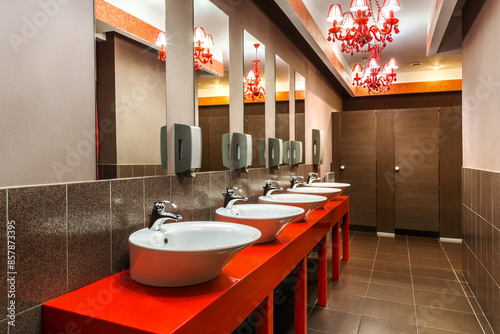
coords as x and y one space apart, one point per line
186 253
329 193
306 202
269 219
338 185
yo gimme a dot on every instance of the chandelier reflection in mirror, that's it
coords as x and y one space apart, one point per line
202 44
161 41
376 77
253 88
355 31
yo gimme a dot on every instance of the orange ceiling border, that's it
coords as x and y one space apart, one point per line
417 87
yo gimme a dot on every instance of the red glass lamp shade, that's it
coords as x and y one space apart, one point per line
356 5
335 14
391 5
392 64
199 35
209 41
348 21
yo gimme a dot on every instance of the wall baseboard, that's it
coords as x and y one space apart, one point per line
386 234
455 240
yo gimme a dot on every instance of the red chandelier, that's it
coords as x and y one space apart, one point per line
253 89
354 32
161 41
202 44
376 77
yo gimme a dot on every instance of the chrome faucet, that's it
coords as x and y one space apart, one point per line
312 177
159 215
269 187
230 198
295 181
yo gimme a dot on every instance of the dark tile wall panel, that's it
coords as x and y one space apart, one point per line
89 233
481 239
80 230
3 251
41 243
127 216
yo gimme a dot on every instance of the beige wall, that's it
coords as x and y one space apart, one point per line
47 92
481 91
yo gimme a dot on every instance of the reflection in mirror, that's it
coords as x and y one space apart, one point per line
282 99
212 82
300 127
255 120
131 94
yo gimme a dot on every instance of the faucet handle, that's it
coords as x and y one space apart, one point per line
271 182
160 205
297 177
313 174
231 190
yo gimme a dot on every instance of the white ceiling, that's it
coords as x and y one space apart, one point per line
409 46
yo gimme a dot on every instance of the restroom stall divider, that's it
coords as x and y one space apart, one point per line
404 167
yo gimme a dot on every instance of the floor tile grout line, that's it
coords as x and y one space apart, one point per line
412 286
368 289
465 293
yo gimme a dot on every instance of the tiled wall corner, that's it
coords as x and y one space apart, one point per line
89 233
481 239
127 216
41 248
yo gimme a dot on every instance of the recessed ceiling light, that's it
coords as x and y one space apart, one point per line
364 59
436 67
416 64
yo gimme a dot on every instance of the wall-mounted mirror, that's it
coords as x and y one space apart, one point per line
254 86
282 99
300 126
131 98
211 80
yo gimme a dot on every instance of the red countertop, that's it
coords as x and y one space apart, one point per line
117 304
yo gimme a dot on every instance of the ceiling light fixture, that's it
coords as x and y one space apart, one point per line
353 30
376 77
161 40
253 88
202 44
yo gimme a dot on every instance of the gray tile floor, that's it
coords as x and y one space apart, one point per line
406 284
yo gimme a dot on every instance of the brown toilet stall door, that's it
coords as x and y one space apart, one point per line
416 178
391 158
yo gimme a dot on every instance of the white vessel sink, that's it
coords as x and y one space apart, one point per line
329 193
186 253
338 185
269 219
304 201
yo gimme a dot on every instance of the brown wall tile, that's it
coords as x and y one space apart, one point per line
125 171
29 321
138 170
3 251
496 258
485 201
240 180
202 206
155 189
218 184
127 216
89 233
149 170
181 192
40 217
255 188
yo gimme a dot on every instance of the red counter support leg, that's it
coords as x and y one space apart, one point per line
345 238
322 272
336 252
264 315
301 297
